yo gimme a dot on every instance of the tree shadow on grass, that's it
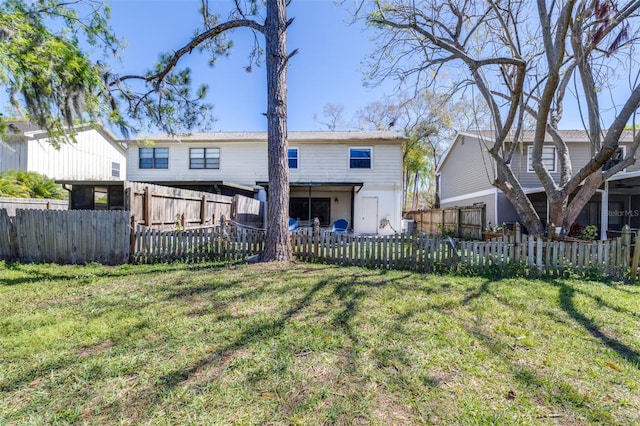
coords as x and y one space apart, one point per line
251 333
545 388
566 299
34 272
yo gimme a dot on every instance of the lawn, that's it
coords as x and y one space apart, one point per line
312 344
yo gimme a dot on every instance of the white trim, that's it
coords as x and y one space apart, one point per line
370 148
492 191
297 158
622 175
604 211
555 158
495 205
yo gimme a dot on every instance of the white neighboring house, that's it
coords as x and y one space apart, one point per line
96 154
355 176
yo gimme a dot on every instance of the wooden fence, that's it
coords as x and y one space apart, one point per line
165 207
74 236
109 237
507 255
13 204
460 222
212 243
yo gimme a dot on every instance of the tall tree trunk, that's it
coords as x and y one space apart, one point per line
277 244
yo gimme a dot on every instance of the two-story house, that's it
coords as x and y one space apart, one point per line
467 170
352 175
95 155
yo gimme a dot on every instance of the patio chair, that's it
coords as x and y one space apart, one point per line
293 224
340 226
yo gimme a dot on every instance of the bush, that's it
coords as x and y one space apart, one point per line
21 184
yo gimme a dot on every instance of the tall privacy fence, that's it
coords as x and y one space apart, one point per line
163 207
73 236
112 237
13 204
460 222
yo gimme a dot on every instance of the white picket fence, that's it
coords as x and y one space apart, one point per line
506 255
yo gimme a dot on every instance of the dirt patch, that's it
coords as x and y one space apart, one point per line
95 349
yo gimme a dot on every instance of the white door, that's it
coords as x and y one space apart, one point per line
369 216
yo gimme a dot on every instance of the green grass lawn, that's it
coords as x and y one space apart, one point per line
312 344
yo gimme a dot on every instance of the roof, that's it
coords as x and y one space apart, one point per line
27 129
569 136
528 135
342 136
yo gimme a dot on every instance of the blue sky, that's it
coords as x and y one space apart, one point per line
327 69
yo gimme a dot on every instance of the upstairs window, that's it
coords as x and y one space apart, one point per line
359 158
293 158
154 158
548 158
115 169
204 158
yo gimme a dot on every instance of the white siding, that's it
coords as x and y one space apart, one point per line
13 155
241 163
389 206
579 153
330 163
245 162
468 168
90 158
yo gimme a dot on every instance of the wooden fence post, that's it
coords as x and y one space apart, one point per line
626 245
132 239
517 241
147 206
203 210
459 228
636 259
316 237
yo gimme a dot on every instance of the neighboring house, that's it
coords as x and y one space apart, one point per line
95 155
467 170
352 175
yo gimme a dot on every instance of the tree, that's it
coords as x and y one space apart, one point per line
426 119
333 117
524 58
57 83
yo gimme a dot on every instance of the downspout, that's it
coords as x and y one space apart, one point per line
66 188
310 218
353 197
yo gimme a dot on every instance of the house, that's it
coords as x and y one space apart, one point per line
352 175
95 155
467 170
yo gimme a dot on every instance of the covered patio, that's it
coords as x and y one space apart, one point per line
621 196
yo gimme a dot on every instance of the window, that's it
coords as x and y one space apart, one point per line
359 158
615 158
115 169
154 158
204 158
548 158
293 158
